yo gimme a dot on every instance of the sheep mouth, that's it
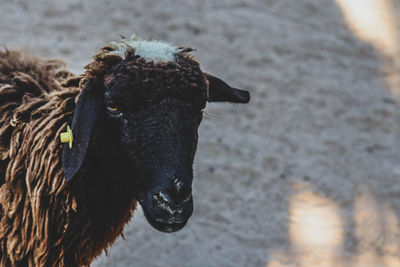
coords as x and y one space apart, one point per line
166 221
165 226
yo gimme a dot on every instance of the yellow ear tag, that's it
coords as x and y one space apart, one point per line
67 137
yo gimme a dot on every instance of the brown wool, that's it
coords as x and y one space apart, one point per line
41 223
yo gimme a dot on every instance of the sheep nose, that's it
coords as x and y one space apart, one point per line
165 201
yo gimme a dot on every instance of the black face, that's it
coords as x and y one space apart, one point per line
149 114
157 131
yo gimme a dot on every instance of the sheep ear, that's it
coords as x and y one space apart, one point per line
86 112
220 91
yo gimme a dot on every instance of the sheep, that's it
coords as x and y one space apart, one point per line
134 115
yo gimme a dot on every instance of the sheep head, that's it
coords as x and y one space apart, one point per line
139 117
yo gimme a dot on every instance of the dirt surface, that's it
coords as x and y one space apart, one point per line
307 174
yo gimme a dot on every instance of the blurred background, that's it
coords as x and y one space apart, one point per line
308 173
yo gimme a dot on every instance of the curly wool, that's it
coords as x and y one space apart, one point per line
44 221
31 177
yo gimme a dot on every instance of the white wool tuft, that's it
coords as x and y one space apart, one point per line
155 51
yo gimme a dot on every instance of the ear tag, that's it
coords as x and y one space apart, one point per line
67 137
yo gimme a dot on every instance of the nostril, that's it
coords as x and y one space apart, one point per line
188 198
165 202
177 183
161 198
185 200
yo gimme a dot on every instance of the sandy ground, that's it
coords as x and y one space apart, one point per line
308 173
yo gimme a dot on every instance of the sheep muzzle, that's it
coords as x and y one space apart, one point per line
165 212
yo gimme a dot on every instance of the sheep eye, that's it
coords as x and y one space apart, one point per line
113 108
